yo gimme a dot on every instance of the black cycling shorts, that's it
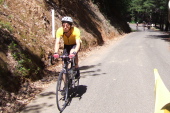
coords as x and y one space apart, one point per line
67 49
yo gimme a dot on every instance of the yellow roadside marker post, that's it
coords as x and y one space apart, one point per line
162 100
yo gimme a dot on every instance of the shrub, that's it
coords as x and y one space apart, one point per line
25 67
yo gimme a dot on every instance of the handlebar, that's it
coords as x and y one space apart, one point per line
68 60
64 56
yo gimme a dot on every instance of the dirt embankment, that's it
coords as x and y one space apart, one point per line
26 42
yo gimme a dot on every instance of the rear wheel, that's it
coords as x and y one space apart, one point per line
61 92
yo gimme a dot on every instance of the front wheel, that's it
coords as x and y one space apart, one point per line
76 85
61 92
75 82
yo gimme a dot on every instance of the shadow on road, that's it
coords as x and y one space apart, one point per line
165 37
37 107
91 70
81 90
34 108
49 94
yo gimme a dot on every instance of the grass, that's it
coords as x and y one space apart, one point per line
6 25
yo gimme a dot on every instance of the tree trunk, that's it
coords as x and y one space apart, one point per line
167 26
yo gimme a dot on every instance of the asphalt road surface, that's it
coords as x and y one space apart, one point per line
118 78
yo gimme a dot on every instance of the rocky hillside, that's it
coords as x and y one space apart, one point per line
26 40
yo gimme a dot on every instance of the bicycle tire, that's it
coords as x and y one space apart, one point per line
61 92
75 82
76 85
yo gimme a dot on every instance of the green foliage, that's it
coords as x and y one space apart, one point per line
25 66
1 1
143 10
10 16
6 25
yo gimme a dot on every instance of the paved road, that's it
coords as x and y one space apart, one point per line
118 78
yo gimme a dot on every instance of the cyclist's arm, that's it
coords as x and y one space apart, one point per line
57 43
78 40
77 45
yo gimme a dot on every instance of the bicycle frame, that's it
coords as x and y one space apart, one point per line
68 61
69 70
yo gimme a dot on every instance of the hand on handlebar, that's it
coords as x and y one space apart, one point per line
71 55
56 55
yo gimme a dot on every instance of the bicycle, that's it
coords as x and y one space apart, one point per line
67 84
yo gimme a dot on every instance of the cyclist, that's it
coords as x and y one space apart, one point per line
137 24
144 25
71 37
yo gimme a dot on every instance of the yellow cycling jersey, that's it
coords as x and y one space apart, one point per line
71 40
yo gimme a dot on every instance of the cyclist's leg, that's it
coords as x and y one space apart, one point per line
76 57
65 52
76 62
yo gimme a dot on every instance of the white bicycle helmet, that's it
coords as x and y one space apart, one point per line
67 19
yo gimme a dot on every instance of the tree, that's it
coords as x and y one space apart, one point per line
154 11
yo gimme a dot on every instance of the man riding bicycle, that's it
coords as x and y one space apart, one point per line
71 38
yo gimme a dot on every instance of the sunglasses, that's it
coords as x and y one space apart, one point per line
66 25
